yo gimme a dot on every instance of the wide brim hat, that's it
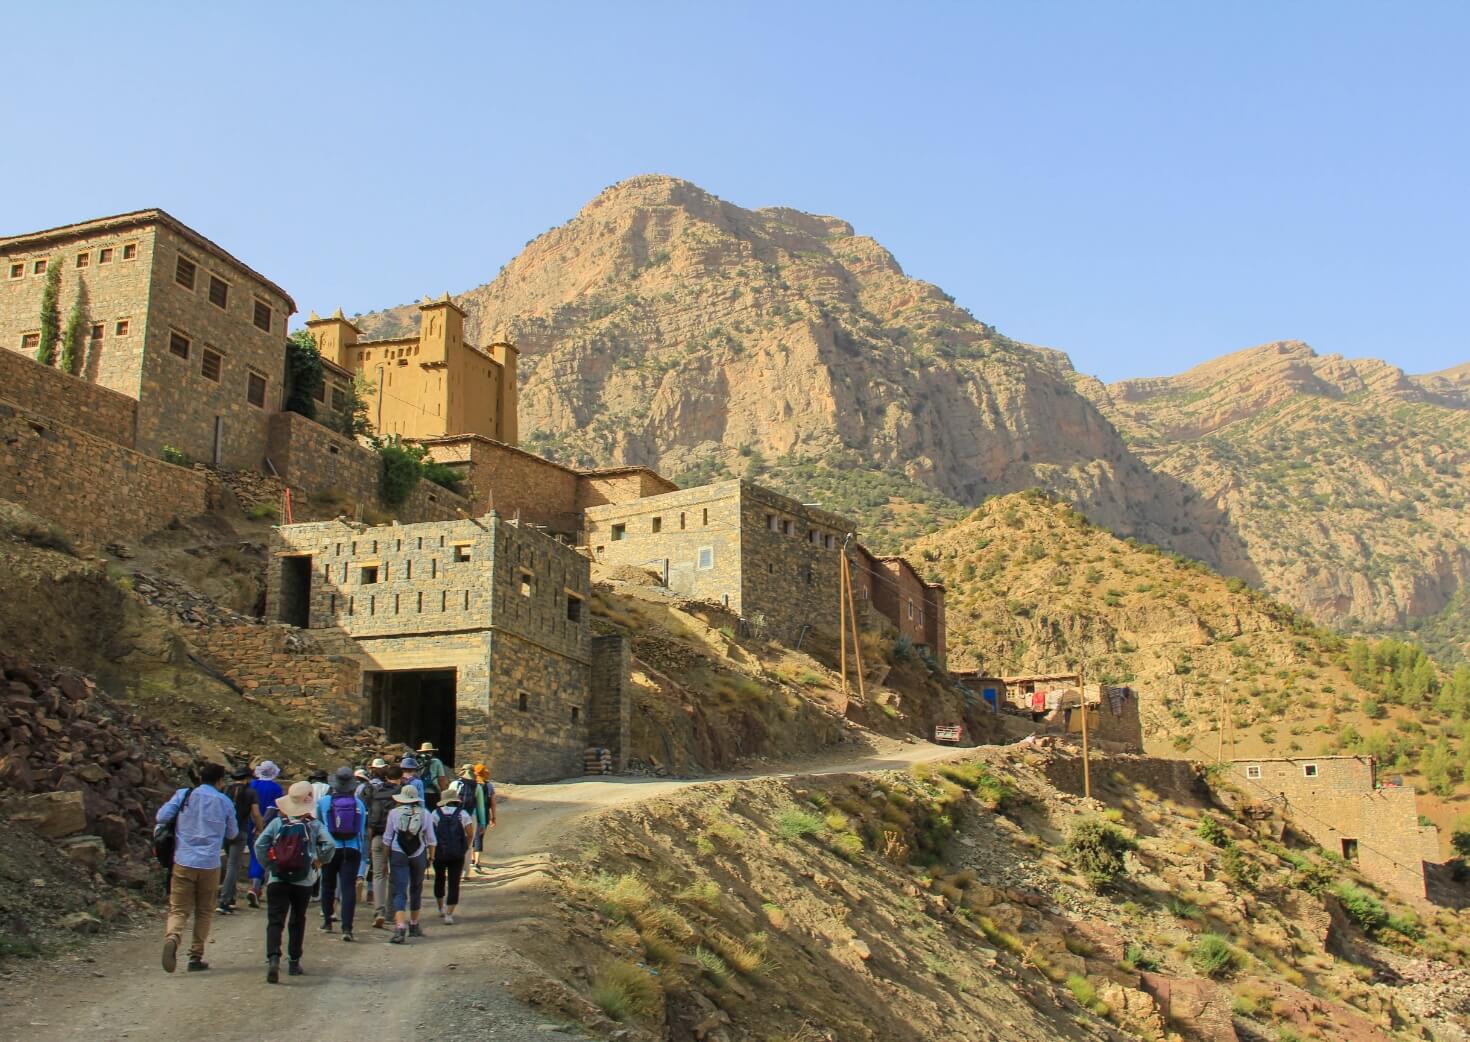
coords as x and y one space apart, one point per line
408 794
450 795
299 801
467 770
378 761
266 770
408 763
427 747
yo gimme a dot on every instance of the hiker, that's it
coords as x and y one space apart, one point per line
410 768
319 784
267 792
293 847
410 838
487 821
472 802
201 820
454 829
345 818
379 801
249 821
435 776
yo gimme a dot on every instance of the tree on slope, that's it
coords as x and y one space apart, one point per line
75 333
304 377
50 316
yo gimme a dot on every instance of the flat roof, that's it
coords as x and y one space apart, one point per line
134 219
448 439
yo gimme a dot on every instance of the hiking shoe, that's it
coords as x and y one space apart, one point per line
327 926
197 965
415 930
399 937
251 899
273 970
225 910
171 954
448 919
378 922
295 970
347 935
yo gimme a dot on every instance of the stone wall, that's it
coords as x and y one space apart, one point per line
513 482
282 665
66 399
1288 777
97 491
1170 777
542 736
609 712
622 485
790 574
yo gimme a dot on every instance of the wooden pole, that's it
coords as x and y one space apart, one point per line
857 649
842 620
1086 759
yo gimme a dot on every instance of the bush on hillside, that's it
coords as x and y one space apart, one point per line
1096 848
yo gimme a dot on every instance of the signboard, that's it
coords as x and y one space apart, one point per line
947 732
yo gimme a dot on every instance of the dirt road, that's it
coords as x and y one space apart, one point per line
447 986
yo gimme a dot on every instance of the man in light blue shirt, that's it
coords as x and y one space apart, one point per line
203 820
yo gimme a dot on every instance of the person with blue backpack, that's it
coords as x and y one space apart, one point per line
292 848
345 816
454 828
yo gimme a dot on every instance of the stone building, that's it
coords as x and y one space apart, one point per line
912 604
173 321
1339 802
472 634
432 384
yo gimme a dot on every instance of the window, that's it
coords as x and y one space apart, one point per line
523 701
771 522
369 575
210 365
39 267
1253 771
184 271
706 515
576 712
97 329
526 583
911 609
320 394
339 399
104 255
178 345
255 390
681 520
130 250
83 259
1309 770
219 292
574 607
1350 849
461 552
827 540
706 558
17 270
811 536
785 526
121 329
619 532
658 525
30 341
262 316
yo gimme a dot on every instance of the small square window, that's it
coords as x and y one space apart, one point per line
658 525
461 553
17 270
1253 772
210 365
97 330
1309 770
706 558
574 608
785 526
262 316
184 272
1349 849
369 575
130 250
771 522
38 268
255 390
30 341
121 329
576 713
526 583
219 292
178 345
104 255
83 259
619 533
523 701
320 394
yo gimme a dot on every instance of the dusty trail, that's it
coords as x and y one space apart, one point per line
352 992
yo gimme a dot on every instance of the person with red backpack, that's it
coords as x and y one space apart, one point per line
454 828
291 849
345 817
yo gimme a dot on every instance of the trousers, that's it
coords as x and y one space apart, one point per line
233 855
339 879
191 893
446 879
408 881
382 877
285 908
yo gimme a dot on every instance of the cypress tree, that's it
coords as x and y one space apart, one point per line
75 334
50 315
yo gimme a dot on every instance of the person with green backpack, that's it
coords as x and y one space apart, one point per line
291 849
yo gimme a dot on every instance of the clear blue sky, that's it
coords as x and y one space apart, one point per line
1143 185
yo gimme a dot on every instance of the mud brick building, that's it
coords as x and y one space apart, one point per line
911 603
1339 802
173 320
472 634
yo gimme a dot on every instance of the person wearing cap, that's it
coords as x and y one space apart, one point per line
286 899
435 775
410 768
203 820
454 832
267 792
249 821
378 797
486 799
344 815
410 839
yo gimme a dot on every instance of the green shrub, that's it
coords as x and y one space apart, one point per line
1136 957
1082 990
175 456
795 823
1240 868
1096 848
1212 832
262 512
623 990
1362 907
1214 956
401 471
1185 909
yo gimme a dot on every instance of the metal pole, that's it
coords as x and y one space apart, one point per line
1086 759
842 620
857 650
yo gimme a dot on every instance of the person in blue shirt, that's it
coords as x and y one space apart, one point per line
410 768
344 815
267 792
204 820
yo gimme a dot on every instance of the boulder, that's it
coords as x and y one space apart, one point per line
89 850
16 774
113 831
53 814
81 922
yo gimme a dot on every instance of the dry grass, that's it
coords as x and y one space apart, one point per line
624 990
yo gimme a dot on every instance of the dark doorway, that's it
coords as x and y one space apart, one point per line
415 706
1350 849
296 591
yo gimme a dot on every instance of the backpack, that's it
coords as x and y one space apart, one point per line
243 797
290 854
165 834
380 802
410 832
342 818
452 839
467 795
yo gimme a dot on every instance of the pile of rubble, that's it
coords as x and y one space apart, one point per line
189 606
75 763
356 745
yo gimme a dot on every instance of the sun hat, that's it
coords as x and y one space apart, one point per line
378 761
240 773
408 794
343 779
427 747
467 770
299 801
409 764
266 770
360 774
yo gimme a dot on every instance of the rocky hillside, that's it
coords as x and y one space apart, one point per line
1344 482
662 325
1032 586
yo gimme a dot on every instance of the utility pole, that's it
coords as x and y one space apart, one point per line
857 648
842 616
1086 759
